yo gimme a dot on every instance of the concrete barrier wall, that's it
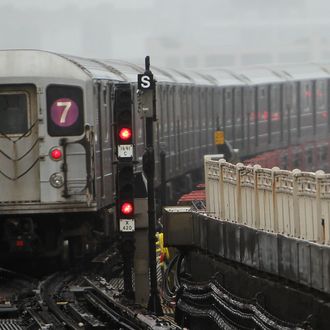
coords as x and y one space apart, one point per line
292 203
295 259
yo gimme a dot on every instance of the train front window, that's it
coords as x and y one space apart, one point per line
13 113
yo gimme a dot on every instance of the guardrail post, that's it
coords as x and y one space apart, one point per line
222 163
239 167
274 200
320 223
256 197
207 183
324 219
296 222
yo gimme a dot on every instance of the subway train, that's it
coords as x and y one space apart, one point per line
57 156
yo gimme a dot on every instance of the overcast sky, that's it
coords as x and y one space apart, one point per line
173 32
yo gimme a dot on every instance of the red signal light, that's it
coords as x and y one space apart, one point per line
127 208
125 133
56 154
19 243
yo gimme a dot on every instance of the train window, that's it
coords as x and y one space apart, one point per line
65 110
13 113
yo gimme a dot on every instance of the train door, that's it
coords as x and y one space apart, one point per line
218 109
238 120
245 110
177 134
164 127
19 144
217 114
275 115
65 126
228 112
328 104
171 120
289 113
105 149
76 151
306 110
250 118
156 130
184 127
190 135
262 114
196 123
210 124
321 115
203 117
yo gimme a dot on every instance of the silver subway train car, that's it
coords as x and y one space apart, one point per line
56 135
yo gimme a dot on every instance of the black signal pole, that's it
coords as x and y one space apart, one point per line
147 109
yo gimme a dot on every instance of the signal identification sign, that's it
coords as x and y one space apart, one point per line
146 81
126 225
125 150
219 137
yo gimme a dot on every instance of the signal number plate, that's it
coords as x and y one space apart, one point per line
125 150
127 225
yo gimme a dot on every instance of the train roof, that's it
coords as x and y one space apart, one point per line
225 77
38 63
257 75
304 71
34 63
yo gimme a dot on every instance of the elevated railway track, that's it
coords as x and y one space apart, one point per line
264 236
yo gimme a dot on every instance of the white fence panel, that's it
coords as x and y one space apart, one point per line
324 200
283 208
307 207
264 199
212 187
228 179
246 193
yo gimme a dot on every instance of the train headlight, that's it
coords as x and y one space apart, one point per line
56 180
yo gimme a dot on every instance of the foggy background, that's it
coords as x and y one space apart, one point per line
175 33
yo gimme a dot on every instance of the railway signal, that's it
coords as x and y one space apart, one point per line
125 179
124 150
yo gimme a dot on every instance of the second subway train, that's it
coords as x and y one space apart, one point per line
57 141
